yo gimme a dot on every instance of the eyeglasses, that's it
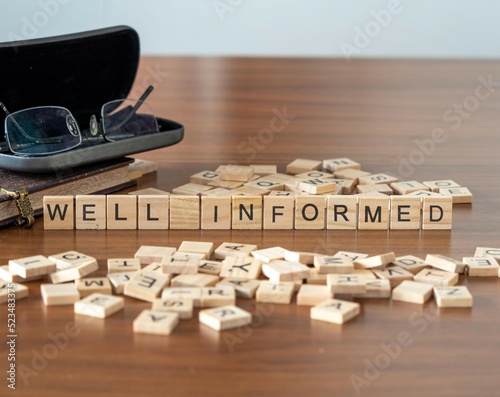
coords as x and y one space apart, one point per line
45 130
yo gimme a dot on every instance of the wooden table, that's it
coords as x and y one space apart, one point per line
381 113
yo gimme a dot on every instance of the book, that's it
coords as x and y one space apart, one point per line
102 177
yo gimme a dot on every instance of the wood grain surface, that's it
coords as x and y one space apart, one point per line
381 113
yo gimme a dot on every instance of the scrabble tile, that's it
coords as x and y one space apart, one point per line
32 266
224 184
90 212
241 267
121 210
99 306
481 267
155 322
353 256
365 274
423 193
408 187
437 213
405 212
310 212
373 211
315 174
348 185
91 285
154 267
148 254
181 263
209 267
246 212
225 317
59 212
184 212
236 173
340 284
120 265
183 307
74 272
335 311
153 212
217 296
315 278
339 164
279 211
299 166
436 277
333 264
443 184
460 195
375 179
395 274
146 286
6 275
375 289
59 294
244 287
184 293
487 251
139 168
150 191
118 281
350 173
216 212
204 177
233 249
458 296
266 255
444 263
264 169
279 293
410 263
68 259
281 270
412 292
375 262
197 247
194 280
310 295
380 188
191 189
306 258
342 212
217 192
265 186
8 288
318 186
250 191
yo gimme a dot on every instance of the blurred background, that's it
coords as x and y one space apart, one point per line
312 28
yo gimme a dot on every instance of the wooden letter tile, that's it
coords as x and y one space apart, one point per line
155 322
197 247
405 212
239 173
375 262
74 272
225 317
247 212
183 307
412 292
410 263
310 295
408 187
183 293
376 289
458 296
444 263
204 177
335 311
184 212
89 286
395 274
481 267
216 213
487 251
118 281
121 211
90 212
373 211
146 285
120 265
191 189
244 287
280 270
270 292
217 296
59 294
6 288
375 179
99 306
333 264
181 263
298 166
279 211
310 212
266 255
340 164
346 284
233 249
460 195
209 267
436 277
444 184
342 212
437 212
59 212
153 212
32 266
148 254
194 280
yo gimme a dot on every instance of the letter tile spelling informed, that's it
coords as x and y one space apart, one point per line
118 281
153 212
90 212
310 295
412 292
91 285
233 249
458 296
373 211
335 311
279 293
148 254
395 274
481 267
437 212
225 317
194 280
183 293
410 263
59 212
244 287
59 294
21 291
181 263
121 210
216 212
184 212
278 213
342 212
333 264
183 307
246 212
33 266
310 212
209 267
197 247
281 270
217 296
436 277
121 265
405 213
155 322
444 263
146 286
99 305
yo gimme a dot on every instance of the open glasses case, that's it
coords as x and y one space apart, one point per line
80 72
